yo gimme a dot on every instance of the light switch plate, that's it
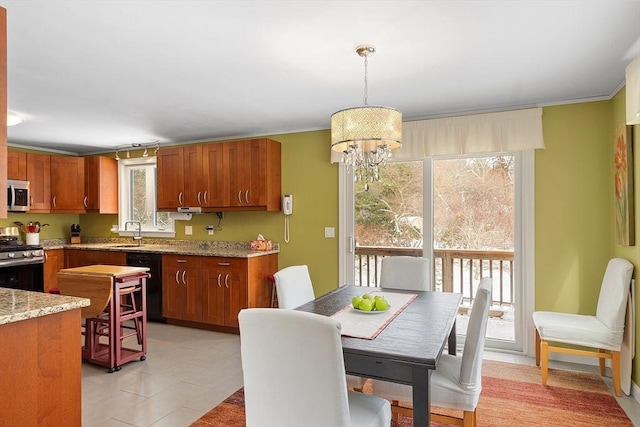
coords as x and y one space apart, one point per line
329 232
188 230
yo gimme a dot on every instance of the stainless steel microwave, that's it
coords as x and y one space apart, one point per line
18 196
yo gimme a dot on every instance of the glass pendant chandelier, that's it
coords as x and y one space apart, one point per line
366 135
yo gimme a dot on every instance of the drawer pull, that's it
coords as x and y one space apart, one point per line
224 264
181 260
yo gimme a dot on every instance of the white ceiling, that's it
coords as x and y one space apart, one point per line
91 75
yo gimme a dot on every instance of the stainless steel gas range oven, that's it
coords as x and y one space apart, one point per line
21 266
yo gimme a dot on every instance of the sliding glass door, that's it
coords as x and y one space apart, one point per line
464 213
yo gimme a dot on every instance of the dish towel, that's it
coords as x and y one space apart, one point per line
627 351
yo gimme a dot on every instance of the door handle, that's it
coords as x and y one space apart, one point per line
180 198
85 201
177 281
226 281
246 196
219 282
240 196
184 272
199 201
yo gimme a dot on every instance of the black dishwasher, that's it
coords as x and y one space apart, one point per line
154 283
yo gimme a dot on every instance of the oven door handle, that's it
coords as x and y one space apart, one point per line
21 261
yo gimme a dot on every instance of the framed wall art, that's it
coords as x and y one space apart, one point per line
624 200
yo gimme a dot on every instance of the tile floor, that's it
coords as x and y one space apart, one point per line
188 372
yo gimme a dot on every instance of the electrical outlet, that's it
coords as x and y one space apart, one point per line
188 230
210 229
329 232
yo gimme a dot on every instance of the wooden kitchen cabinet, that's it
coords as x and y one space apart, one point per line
232 284
101 185
83 257
17 165
67 184
182 287
224 290
39 176
53 262
232 176
254 174
170 187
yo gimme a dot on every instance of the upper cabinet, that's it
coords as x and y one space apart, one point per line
170 194
39 176
67 184
17 165
101 185
227 176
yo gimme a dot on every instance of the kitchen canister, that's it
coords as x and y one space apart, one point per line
32 238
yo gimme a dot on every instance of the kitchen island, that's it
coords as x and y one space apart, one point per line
41 374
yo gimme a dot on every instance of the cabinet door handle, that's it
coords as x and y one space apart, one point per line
180 198
219 282
184 272
246 196
46 257
177 281
199 201
206 199
54 201
30 201
240 196
85 200
226 281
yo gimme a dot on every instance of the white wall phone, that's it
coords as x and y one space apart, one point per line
287 209
287 204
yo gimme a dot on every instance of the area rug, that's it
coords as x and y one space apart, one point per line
511 396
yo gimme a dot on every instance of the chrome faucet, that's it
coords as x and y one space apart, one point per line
139 236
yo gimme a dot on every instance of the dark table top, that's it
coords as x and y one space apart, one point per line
416 336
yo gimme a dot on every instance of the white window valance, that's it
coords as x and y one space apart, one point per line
473 134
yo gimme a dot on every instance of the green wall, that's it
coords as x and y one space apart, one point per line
573 189
574 209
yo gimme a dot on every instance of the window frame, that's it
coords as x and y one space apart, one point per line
124 196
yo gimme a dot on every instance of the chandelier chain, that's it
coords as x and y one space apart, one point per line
366 80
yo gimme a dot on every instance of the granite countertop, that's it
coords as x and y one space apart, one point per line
177 247
16 305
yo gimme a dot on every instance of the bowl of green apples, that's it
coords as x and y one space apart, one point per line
369 304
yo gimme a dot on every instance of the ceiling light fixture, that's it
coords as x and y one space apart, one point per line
366 135
13 119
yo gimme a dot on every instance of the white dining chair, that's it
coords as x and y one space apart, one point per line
405 272
400 272
293 372
293 286
602 332
457 380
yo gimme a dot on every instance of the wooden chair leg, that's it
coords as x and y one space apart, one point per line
601 362
537 348
615 372
469 419
544 355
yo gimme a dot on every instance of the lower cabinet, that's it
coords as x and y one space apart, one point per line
53 262
213 290
83 257
182 287
225 290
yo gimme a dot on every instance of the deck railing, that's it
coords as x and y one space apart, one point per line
455 270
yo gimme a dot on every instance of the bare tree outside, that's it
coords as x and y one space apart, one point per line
473 205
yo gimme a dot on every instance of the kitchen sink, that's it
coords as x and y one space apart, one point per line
127 245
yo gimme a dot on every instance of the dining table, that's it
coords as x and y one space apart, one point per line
407 349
